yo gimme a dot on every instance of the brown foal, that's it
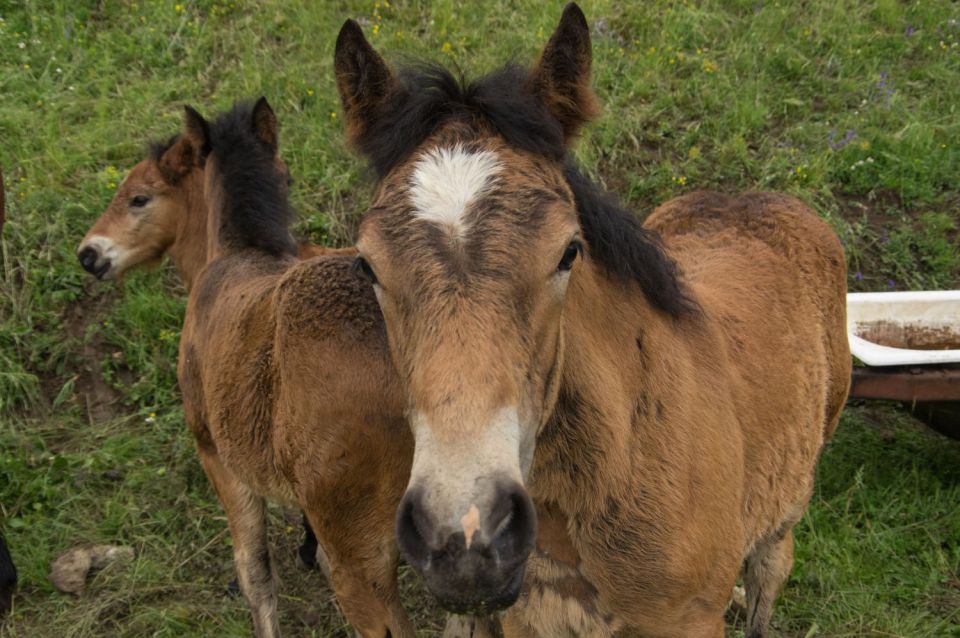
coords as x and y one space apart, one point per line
610 419
285 375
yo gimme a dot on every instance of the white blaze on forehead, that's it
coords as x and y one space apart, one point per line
446 180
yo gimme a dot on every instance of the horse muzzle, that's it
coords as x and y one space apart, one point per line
94 263
478 575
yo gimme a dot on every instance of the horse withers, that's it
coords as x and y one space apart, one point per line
611 419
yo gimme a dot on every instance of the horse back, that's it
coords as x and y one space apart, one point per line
771 277
803 257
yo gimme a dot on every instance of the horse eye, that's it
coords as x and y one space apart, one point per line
362 267
569 255
139 201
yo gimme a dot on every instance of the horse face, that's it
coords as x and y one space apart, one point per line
471 245
141 221
470 248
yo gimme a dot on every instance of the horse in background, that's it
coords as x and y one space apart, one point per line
611 419
350 492
159 210
287 382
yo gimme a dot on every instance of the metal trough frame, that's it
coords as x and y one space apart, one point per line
909 383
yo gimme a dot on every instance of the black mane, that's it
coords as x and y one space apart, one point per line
429 96
627 250
256 211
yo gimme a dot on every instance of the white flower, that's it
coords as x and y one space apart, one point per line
59 70
22 45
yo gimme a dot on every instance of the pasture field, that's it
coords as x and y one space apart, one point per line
852 106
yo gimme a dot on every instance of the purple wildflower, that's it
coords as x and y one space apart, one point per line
885 88
891 284
858 276
837 144
910 31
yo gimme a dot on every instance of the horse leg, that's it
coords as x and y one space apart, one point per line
767 568
362 570
246 516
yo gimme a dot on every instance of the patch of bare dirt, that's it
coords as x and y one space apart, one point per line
873 208
100 401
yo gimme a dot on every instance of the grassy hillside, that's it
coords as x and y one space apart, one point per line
852 106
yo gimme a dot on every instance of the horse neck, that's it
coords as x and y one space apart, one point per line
613 362
189 250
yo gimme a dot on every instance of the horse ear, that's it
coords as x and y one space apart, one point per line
561 79
196 131
177 161
265 124
363 78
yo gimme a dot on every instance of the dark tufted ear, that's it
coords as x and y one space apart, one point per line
363 79
177 161
196 131
561 78
265 124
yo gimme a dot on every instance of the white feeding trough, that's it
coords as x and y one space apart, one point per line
904 328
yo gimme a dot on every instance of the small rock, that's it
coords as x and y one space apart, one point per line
69 573
113 475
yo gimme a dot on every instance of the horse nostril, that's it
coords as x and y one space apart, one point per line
516 523
413 526
88 258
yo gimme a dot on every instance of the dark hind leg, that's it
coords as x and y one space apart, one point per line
766 570
8 578
246 515
308 550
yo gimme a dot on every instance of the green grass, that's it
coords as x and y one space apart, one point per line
852 106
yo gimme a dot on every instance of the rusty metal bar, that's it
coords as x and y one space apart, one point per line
907 384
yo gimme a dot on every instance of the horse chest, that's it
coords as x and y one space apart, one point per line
557 599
